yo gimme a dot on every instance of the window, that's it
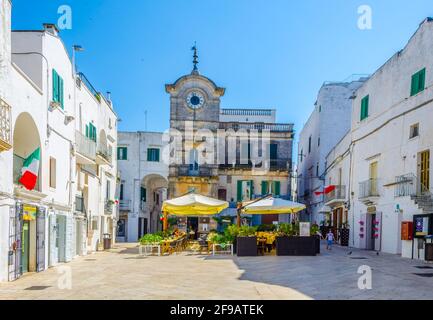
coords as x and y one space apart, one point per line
108 190
58 89
309 145
317 170
320 108
91 132
276 188
53 177
302 155
364 107
273 187
121 191
414 131
318 142
418 82
122 153
153 155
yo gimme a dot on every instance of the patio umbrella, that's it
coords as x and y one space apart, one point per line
194 204
271 205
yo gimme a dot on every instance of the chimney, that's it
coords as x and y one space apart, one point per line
51 28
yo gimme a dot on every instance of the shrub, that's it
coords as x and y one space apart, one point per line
151 239
267 227
247 231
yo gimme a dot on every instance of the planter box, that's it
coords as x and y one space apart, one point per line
246 246
298 246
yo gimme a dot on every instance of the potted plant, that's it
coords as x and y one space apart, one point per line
231 233
246 241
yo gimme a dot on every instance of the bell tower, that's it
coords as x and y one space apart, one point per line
194 106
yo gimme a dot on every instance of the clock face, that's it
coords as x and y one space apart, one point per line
195 100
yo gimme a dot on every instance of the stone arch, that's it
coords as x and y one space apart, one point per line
26 139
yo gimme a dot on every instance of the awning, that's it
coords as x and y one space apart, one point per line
194 205
272 205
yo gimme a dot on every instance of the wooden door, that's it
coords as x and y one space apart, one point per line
425 171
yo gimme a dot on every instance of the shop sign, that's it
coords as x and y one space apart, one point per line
29 213
304 229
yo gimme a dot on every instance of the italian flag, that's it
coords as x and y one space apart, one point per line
29 172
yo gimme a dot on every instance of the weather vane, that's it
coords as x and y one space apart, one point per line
195 61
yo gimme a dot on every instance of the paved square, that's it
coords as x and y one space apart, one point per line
122 274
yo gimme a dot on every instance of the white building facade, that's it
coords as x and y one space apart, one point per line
42 227
326 126
385 158
143 185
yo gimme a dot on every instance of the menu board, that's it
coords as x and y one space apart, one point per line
304 229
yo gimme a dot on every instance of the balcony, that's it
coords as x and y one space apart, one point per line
369 189
273 127
103 154
79 205
125 205
143 206
108 207
5 126
274 165
187 171
85 149
337 196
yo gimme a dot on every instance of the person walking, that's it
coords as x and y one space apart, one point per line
329 240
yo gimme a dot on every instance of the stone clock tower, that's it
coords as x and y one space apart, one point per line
194 106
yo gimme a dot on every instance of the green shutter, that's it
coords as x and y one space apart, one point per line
265 188
251 189
125 153
55 86
143 194
239 190
276 188
157 155
364 107
118 154
418 82
274 151
87 131
149 158
415 85
61 100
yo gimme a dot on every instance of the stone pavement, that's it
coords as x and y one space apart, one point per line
122 274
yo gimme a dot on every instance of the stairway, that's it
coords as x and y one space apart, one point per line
424 202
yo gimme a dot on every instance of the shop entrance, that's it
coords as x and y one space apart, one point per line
193 226
25 248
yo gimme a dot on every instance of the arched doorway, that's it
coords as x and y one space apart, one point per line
28 224
153 194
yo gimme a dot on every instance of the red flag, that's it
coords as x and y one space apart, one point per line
329 189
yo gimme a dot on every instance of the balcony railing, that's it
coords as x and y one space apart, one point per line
279 164
125 205
273 127
104 152
246 112
79 204
369 188
108 207
85 146
18 163
188 171
5 126
339 193
405 185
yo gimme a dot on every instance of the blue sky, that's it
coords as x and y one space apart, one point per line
274 53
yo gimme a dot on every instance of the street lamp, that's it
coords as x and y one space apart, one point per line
75 48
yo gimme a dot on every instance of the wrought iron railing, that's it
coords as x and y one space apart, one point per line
5 126
104 152
339 193
405 185
246 112
108 207
273 127
85 146
125 205
194 171
369 188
